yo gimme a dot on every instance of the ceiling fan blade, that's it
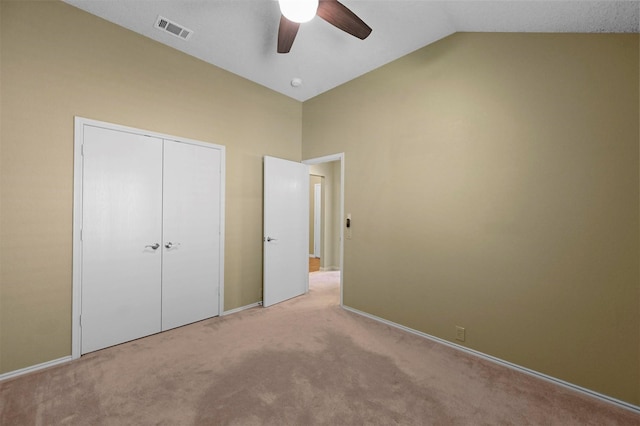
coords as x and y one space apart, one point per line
286 34
341 17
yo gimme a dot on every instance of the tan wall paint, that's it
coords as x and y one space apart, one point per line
0 184
333 262
493 184
58 62
336 221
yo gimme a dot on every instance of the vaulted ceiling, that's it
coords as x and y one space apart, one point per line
240 36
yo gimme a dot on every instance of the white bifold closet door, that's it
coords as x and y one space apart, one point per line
150 235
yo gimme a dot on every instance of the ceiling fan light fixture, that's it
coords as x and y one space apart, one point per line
298 10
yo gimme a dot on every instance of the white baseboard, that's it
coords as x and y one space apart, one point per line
602 397
32 368
241 308
329 268
502 362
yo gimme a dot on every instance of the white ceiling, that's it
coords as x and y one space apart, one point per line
240 35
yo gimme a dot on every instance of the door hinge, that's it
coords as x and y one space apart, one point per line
82 150
80 234
80 320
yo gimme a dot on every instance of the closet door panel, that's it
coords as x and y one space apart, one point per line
121 223
191 231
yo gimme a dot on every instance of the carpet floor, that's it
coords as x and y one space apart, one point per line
305 361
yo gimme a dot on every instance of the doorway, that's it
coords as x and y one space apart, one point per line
328 172
316 219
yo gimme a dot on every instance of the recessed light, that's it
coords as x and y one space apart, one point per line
296 82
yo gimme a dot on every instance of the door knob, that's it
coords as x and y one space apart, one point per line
170 245
271 239
153 247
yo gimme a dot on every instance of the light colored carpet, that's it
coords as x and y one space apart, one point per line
302 362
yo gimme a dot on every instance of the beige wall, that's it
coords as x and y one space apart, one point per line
334 219
1 185
493 184
59 62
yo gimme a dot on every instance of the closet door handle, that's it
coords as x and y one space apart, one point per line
171 245
154 247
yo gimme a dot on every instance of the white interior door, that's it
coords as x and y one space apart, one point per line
121 237
286 230
191 232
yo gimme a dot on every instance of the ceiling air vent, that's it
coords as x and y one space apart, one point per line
172 28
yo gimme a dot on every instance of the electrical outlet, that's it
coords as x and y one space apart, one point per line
460 333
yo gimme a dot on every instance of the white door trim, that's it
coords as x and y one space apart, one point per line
327 159
79 124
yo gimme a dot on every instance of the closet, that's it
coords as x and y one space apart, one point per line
151 220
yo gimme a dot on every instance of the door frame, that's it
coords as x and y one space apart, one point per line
329 159
78 138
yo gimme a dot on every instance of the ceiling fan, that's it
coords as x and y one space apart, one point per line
295 12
